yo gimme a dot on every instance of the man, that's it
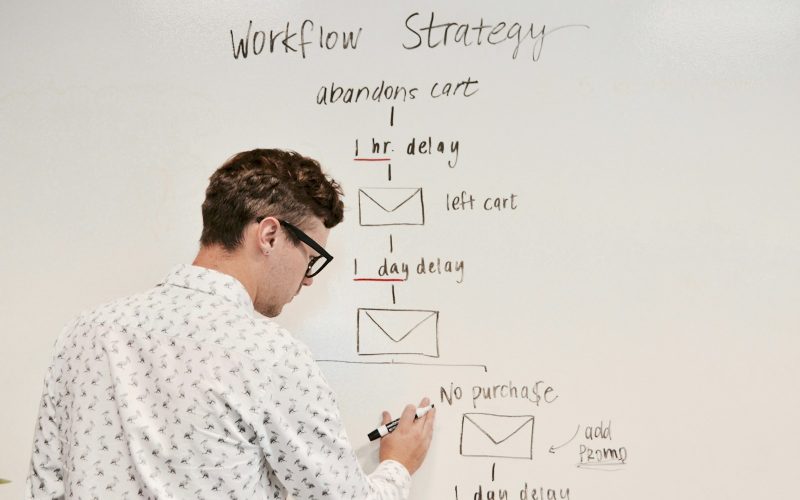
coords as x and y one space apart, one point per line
185 391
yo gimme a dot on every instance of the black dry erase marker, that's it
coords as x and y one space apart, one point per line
387 428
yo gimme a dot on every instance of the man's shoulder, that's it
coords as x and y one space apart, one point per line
132 305
278 341
189 315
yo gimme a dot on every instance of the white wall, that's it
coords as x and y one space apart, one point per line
648 274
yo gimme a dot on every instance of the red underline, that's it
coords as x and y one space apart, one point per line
380 279
372 159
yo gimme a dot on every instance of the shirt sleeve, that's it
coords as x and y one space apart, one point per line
391 472
305 443
46 476
46 479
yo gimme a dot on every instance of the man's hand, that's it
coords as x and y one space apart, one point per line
409 442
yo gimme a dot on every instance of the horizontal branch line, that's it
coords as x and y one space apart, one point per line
445 365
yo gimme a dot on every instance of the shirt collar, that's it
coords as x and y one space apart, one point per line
209 281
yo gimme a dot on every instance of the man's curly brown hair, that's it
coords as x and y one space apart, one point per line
267 183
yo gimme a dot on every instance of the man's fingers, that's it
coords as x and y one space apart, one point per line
407 418
428 421
411 440
422 404
409 414
386 418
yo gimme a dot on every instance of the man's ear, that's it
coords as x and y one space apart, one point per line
267 234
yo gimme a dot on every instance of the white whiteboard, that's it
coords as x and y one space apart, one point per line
646 269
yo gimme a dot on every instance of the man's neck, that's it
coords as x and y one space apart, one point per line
217 258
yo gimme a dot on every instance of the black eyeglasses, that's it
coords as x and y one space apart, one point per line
318 262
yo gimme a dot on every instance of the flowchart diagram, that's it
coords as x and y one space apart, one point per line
413 336
388 333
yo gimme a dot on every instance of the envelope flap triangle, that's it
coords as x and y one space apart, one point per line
498 428
390 199
398 324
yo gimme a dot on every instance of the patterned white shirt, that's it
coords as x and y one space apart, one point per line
185 391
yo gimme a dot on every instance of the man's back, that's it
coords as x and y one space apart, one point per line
185 391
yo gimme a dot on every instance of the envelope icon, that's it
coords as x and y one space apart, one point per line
502 436
390 207
397 331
